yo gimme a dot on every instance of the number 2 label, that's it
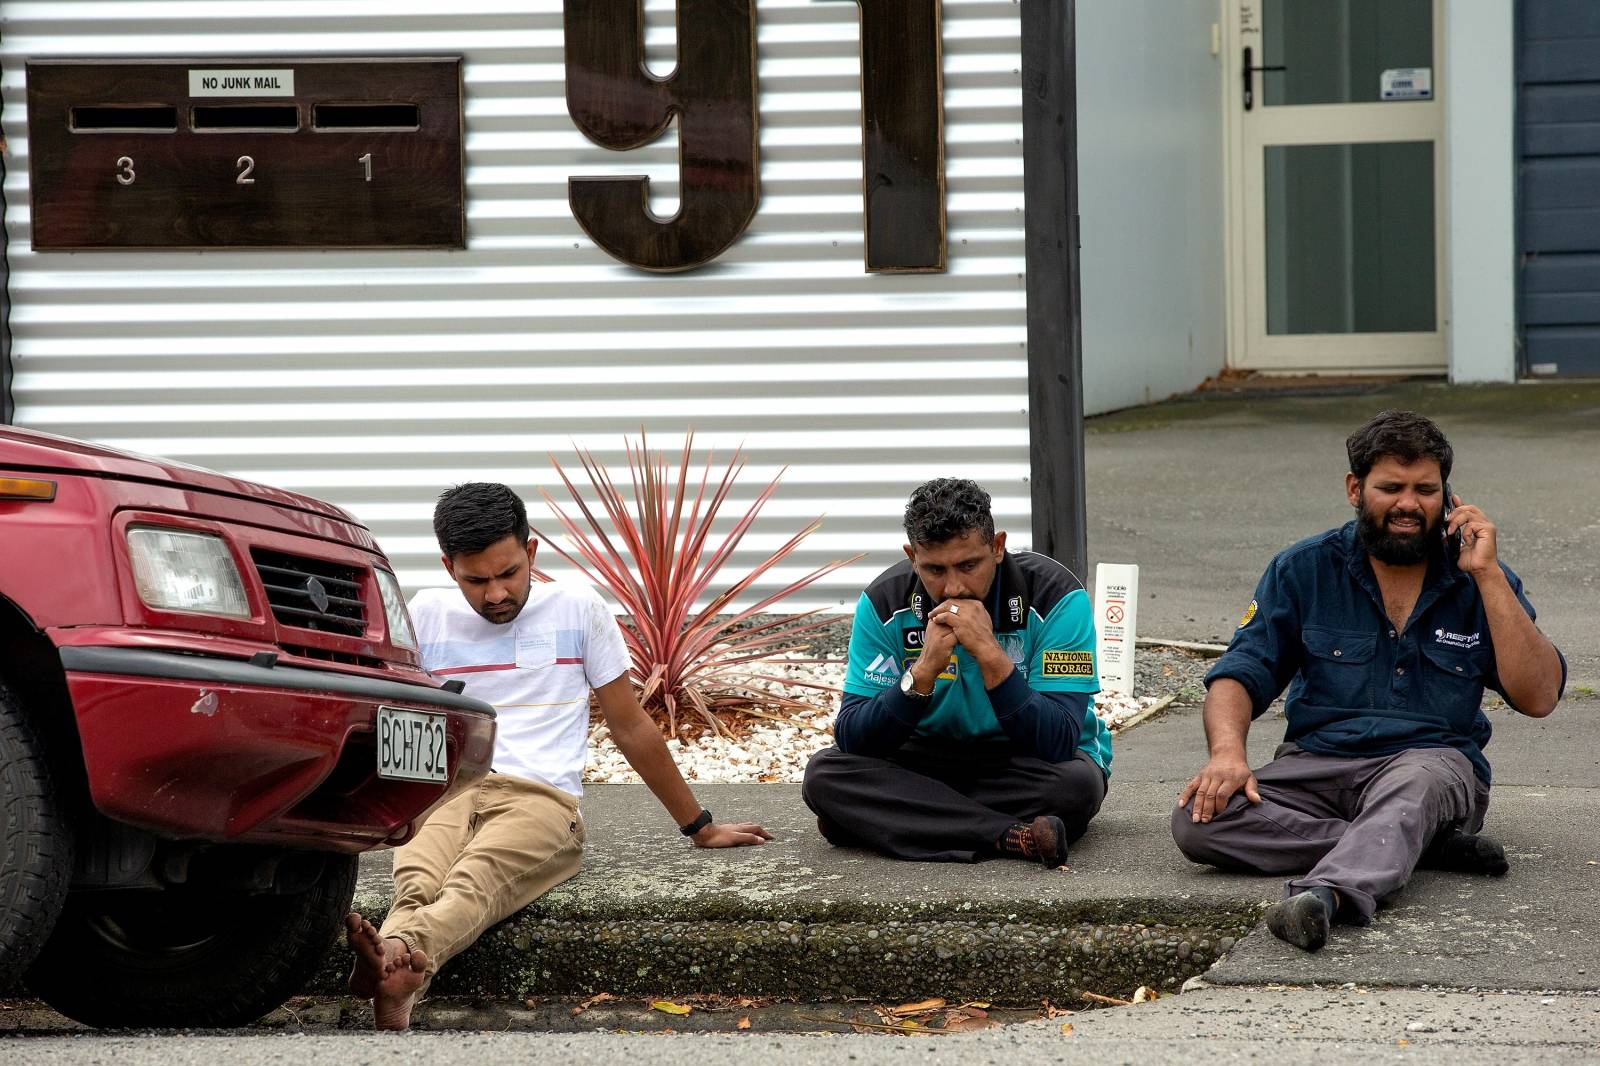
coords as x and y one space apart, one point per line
244 177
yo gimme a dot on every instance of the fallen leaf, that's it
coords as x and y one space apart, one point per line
591 1001
1402 1042
920 1007
1144 994
1066 1028
975 1010
979 1004
965 1023
1592 862
744 1023
666 1006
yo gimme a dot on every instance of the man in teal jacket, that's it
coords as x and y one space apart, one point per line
967 725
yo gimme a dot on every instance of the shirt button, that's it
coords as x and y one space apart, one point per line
1337 653
1400 670
1391 634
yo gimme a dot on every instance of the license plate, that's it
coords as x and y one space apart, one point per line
411 745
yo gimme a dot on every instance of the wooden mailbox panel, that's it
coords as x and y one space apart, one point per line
246 153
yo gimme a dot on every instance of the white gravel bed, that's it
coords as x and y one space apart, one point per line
778 751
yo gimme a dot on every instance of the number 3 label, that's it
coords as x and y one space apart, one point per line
125 174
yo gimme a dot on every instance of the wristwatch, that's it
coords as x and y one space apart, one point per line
698 824
908 685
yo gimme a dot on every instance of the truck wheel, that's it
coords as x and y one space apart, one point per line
36 866
187 956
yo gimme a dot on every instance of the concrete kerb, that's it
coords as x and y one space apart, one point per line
799 919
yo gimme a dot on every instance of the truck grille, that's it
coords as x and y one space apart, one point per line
311 593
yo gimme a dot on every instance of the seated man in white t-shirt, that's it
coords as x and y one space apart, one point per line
535 651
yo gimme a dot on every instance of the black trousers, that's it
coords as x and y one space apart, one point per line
946 801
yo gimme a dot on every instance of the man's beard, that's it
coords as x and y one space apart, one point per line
509 616
1397 549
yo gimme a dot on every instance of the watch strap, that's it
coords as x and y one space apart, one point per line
698 824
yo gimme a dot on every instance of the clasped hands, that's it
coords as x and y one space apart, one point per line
963 622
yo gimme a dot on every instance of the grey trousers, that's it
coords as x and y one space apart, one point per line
1358 825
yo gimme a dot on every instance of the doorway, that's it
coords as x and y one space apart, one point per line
1335 186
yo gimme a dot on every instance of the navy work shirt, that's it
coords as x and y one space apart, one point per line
1357 686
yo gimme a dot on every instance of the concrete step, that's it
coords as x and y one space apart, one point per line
798 919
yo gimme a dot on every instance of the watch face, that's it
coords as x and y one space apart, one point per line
905 682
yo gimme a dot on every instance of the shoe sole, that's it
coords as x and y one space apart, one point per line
1299 920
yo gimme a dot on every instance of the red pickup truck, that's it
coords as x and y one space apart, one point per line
210 702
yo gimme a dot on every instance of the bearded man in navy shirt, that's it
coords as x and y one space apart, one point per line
1386 632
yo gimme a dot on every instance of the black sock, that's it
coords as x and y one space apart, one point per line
1329 900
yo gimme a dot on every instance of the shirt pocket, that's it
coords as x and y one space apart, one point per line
536 650
1455 678
1338 666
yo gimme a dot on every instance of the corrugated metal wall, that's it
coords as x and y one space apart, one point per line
375 379
1558 185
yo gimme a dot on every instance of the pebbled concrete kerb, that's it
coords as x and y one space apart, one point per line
796 918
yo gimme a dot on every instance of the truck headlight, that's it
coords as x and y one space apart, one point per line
401 635
175 570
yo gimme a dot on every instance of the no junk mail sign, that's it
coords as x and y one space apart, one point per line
367 151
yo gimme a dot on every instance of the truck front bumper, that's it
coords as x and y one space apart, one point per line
216 749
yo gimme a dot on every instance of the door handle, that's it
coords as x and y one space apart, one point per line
1250 76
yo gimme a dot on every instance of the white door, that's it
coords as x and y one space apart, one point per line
1335 186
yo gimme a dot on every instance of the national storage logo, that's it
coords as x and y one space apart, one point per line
1068 664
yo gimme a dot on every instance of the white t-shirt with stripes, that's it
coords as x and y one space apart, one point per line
537 670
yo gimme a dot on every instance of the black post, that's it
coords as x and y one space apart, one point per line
7 412
1055 338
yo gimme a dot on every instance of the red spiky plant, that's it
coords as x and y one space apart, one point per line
657 559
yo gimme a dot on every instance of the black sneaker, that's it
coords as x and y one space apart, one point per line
1043 840
1466 853
1301 920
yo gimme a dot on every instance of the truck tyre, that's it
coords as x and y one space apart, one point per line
36 866
189 957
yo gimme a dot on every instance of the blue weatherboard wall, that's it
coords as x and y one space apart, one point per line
1558 185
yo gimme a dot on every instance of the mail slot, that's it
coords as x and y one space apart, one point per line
246 153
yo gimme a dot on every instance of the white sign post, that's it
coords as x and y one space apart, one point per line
1116 609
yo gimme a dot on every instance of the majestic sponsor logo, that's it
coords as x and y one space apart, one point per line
883 671
1068 664
1249 613
1016 609
1456 640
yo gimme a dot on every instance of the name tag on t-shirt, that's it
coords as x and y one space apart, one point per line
535 651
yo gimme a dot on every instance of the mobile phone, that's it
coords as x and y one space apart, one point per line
1452 541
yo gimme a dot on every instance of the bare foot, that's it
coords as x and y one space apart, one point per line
397 993
373 961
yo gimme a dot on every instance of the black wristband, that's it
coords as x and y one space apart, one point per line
698 824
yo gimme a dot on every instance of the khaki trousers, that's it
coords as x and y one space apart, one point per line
479 859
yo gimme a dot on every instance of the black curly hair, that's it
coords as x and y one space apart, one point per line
468 518
946 508
1405 435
